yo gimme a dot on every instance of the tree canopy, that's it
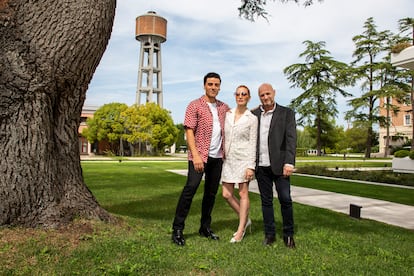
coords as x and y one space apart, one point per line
116 122
253 9
369 69
106 123
149 123
320 78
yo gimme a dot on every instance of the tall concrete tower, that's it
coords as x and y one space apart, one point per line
151 31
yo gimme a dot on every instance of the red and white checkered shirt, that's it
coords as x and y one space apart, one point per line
198 117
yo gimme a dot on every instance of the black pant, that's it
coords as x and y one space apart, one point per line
212 172
265 180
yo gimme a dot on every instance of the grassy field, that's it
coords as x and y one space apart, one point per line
393 194
143 196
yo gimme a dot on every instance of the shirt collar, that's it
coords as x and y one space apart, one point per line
270 111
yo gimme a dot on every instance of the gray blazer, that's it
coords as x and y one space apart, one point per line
282 138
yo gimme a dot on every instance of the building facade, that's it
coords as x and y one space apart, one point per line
402 123
85 147
401 128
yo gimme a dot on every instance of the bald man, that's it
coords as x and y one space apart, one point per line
276 153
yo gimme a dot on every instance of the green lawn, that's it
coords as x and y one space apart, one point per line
344 164
393 194
143 195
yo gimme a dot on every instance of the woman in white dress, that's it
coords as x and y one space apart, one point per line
240 136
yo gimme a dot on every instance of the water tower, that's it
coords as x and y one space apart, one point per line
151 31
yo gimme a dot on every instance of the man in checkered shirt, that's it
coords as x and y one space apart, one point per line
204 126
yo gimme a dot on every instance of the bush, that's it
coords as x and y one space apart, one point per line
389 177
411 155
397 48
401 153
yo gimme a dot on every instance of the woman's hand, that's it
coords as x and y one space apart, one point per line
249 175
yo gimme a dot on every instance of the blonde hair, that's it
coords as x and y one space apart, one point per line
244 86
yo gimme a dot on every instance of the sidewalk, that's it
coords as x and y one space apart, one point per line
379 210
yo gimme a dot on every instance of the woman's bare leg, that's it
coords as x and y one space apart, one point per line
228 195
244 206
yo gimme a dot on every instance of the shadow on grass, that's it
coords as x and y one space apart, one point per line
154 208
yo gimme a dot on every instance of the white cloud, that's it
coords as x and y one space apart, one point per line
205 36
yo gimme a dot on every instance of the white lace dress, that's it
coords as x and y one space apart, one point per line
239 146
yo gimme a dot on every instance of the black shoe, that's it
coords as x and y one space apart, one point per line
178 237
208 233
289 241
269 240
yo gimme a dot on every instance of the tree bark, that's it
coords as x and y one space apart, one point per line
49 52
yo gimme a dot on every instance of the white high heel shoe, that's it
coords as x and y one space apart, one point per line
233 240
248 223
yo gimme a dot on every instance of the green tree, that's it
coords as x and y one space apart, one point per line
393 85
151 124
106 125
368 68
406 26
320 77
356 137
181 136
304 139
330 135
137 127
251 9
341 145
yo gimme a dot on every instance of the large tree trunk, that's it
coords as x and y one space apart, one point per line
49 52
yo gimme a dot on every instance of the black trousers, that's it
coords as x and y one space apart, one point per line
212 173
265 179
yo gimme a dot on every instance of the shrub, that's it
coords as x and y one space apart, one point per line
396 49
411 155
401 153
389 177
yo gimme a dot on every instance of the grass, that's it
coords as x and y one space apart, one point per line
393 194
343 163
143 195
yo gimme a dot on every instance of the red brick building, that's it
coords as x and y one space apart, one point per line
401 128
85 147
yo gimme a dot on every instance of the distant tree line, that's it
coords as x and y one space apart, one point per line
322 79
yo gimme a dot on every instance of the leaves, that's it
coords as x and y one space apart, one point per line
106 123
320 78
252 9
136 124
149 123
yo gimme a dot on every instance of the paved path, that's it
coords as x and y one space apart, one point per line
388 212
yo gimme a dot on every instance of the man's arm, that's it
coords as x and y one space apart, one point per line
197 160
289 167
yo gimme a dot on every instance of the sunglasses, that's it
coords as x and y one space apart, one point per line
241 93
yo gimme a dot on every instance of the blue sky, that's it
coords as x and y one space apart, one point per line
204 36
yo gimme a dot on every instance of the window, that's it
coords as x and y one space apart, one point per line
407 100
407 119
83 145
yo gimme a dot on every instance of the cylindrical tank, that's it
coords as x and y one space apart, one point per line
151 24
